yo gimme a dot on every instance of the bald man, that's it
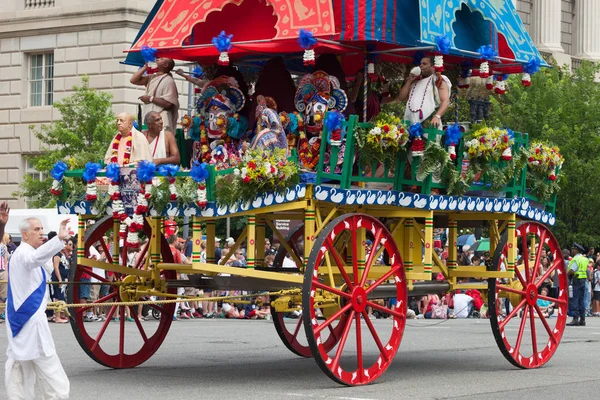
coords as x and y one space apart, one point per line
139 144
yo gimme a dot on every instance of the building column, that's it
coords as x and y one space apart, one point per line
587 29
545 25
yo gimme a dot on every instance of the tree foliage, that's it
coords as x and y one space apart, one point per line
562 108
82 135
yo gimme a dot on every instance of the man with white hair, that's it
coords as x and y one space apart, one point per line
31 353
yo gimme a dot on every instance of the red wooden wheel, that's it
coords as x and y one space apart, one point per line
526 336
290 331
129 343
366 348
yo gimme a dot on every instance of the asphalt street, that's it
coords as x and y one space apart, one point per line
245 359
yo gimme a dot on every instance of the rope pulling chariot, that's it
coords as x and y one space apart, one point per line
337 276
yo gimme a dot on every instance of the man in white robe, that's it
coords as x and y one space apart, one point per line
31 353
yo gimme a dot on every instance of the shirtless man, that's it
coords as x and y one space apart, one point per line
162 145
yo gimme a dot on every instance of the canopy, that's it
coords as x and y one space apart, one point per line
183 29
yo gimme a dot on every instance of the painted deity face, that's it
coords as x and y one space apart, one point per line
314 115
217 122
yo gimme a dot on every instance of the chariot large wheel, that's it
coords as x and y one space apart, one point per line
118 343
526 336
366 348
291 331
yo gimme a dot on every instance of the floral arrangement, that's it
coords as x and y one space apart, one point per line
545 160
170 171
383 140
490 144
259 172
145 172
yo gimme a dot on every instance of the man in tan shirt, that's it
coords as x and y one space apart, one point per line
161 92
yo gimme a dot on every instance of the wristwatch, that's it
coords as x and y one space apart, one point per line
151 99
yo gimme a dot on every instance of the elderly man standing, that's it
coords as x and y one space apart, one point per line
161 142
161 92
31 354
129 145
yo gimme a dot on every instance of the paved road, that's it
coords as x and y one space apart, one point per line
238 359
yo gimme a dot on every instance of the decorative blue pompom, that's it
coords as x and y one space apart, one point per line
58 170
443 44
334 120
532 66
487 52
511 134
90 171
168 170
145 171
148 54
306 39
415 130
199 172
112 172
197 72
222 42
453 135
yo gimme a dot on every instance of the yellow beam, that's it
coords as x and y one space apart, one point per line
114 268
481 274
210 240
251 246
417 276
222 269
512 244
408 244
476 216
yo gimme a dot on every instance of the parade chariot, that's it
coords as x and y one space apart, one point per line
363 238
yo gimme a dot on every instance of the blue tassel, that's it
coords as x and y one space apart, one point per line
415 130
199 172
306 39
443 44
58 170
453 135
90 171
113 172
148 54
487 52
334 120
145 171
222 42
532 66
197 72
168 170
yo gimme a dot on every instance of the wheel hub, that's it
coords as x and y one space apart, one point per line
531 294
359 299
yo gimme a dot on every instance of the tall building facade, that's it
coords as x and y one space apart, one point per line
47 45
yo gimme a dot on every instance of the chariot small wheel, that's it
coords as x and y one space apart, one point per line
135 343
526 332
366 348
291 331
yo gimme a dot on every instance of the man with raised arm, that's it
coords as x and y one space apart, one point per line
31 354
161 92
161 142
129 145
426 94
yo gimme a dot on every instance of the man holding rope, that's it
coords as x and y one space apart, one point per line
31 353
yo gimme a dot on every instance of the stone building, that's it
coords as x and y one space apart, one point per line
46 45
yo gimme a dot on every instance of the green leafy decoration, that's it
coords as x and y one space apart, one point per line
160 195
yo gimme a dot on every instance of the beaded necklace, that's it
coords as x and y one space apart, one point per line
410 98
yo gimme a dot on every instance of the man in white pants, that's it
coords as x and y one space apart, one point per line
31 354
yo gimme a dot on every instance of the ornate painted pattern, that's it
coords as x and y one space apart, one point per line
437 17
520 206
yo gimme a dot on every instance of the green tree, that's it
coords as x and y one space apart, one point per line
82 135
562 108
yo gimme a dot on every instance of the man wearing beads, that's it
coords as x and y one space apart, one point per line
427 94
129 145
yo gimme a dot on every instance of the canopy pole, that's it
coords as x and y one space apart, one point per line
365 89
402 50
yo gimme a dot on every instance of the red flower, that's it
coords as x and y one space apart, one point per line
505 138
552 177
482 139
386 128
246 179
537 151
251 165
272 169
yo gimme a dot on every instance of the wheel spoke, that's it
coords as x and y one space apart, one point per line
109 258
359 357
295 334
158 308
94 275
354 252
376 241
533 333
525 256
547 273
385 309
80 310
121 335
339 262
334 317
342 343
103 328
510 290
552 299
520 276
545 323
538 256
139 325
141 255
384 278
521 330
330 289
514 312
375 336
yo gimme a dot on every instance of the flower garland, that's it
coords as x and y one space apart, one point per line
145 172
58 173
417 148
199 173
170 171
89 176
545 160
113 174
115 149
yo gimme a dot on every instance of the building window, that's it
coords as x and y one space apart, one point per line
35 175
33 4
41 79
